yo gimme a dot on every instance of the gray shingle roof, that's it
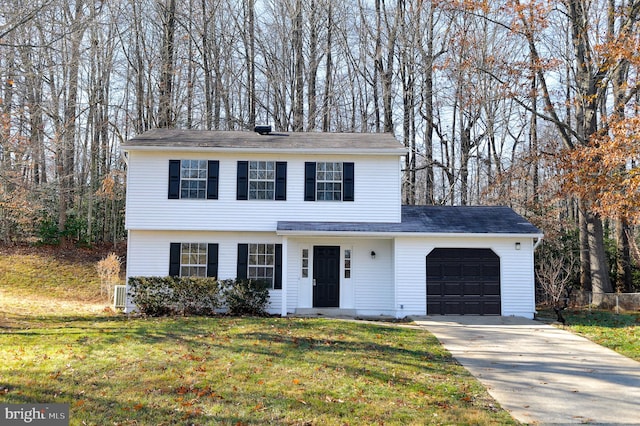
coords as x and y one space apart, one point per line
245 140
430 220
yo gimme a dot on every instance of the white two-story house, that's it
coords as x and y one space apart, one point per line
319 216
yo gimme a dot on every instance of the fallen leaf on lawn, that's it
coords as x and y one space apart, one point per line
138 407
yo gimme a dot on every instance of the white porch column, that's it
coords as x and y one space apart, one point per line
285 275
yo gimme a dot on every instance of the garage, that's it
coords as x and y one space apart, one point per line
463 281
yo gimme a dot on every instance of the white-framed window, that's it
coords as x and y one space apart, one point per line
305 263
193 260
193 178
329 181
262 180
261 262
347 263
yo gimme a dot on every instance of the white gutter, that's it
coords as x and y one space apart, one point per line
405 234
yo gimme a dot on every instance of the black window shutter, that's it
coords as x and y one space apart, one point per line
243 260
347 181
174 260
243 180
309 181
174 179
281 181
213 169
212 260
277 276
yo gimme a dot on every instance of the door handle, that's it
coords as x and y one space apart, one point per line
314 282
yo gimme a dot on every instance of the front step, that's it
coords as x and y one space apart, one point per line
325 312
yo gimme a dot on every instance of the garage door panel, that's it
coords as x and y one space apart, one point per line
453 308
472 270
472 289
463 282
452 289
472 308
491 289
491 308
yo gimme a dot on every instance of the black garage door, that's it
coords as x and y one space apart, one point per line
463 282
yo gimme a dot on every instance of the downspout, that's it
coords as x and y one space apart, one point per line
285 274
537 242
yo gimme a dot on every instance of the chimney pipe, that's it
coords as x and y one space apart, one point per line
262 130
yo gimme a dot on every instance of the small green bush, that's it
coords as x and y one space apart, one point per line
196 295
157 296
245 297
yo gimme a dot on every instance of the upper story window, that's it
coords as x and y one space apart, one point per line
195 179
329 181
193 260
262 180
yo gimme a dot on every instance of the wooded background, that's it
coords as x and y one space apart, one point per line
531 104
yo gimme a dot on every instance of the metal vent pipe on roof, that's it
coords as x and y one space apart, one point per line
262 130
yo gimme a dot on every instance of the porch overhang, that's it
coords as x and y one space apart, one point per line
426 221
377 230
311 229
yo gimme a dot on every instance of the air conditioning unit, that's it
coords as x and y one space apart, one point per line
120 297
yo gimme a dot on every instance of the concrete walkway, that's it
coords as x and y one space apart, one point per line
542 374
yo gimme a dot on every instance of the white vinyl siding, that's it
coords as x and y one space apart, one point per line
377 195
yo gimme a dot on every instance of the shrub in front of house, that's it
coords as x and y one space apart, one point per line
157 296
245 297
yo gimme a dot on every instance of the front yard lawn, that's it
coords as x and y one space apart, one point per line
237 371
620 332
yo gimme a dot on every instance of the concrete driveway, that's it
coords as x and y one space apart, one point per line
542 374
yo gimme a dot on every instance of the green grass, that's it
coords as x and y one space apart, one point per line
59 344
620 332
114 370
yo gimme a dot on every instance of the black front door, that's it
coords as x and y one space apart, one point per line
326 277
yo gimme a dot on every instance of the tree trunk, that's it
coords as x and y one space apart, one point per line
597 256
165 96
66 160
298 107
328 89
585 261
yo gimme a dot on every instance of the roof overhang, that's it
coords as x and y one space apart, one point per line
329 229
365 234
268 150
